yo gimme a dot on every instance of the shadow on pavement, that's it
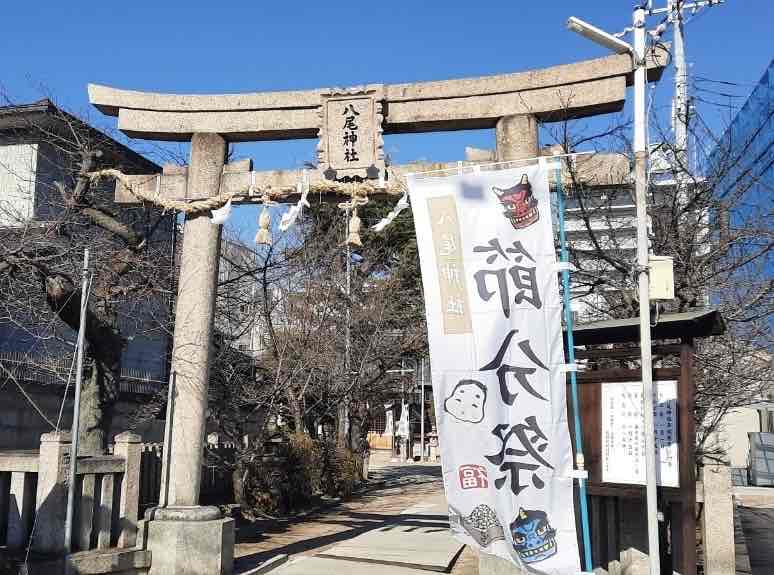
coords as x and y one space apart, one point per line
347 523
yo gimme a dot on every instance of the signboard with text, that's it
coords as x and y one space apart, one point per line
623 437
351 145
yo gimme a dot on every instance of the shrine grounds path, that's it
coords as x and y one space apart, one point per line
405 486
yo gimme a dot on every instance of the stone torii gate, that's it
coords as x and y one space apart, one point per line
185 537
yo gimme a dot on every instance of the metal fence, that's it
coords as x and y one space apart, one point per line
52 370
216 486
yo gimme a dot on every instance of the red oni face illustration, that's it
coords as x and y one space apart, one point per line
520 205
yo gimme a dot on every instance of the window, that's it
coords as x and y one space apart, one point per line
378 422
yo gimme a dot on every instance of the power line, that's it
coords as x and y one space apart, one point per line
718 104
715 92
724 82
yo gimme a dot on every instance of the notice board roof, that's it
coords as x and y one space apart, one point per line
696 323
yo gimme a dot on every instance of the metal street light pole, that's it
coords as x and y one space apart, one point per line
640 186
77 406
646 361
613 42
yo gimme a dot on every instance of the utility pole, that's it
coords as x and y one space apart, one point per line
77 405
680 102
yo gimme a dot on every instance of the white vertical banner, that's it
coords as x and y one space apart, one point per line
494 324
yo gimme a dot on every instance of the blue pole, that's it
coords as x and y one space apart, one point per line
573 380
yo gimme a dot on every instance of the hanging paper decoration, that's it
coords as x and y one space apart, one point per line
220 215
402 204
289 217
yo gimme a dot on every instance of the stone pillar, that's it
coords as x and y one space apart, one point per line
51 500
516 137
194 316
718 522
190 541
129 446
183 537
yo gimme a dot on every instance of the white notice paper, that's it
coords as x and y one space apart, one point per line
623 436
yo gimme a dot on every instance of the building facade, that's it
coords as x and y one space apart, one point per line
744 154
742 162
38 143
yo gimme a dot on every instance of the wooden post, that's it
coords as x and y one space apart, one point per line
684 562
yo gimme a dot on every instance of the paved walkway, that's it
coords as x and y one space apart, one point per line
401 528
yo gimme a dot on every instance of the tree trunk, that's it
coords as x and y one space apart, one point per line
295 410
359 429
104 344
342 436
237 482
97 408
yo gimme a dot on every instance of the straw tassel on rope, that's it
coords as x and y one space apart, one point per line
358 197
263 237
353 237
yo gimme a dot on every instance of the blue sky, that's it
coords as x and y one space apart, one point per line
55 48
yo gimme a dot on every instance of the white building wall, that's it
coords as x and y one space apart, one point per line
732 434
18 167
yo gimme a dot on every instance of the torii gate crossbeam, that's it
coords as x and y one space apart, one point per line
550 94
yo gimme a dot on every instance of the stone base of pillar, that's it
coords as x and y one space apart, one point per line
493 565
190 541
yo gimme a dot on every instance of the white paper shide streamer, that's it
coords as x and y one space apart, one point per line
290 217
219 216
402 204
494 326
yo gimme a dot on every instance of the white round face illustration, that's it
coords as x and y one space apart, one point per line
466 402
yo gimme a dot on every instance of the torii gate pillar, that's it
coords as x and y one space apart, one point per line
184 537
516 137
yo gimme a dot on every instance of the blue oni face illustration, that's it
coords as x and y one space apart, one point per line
533 537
